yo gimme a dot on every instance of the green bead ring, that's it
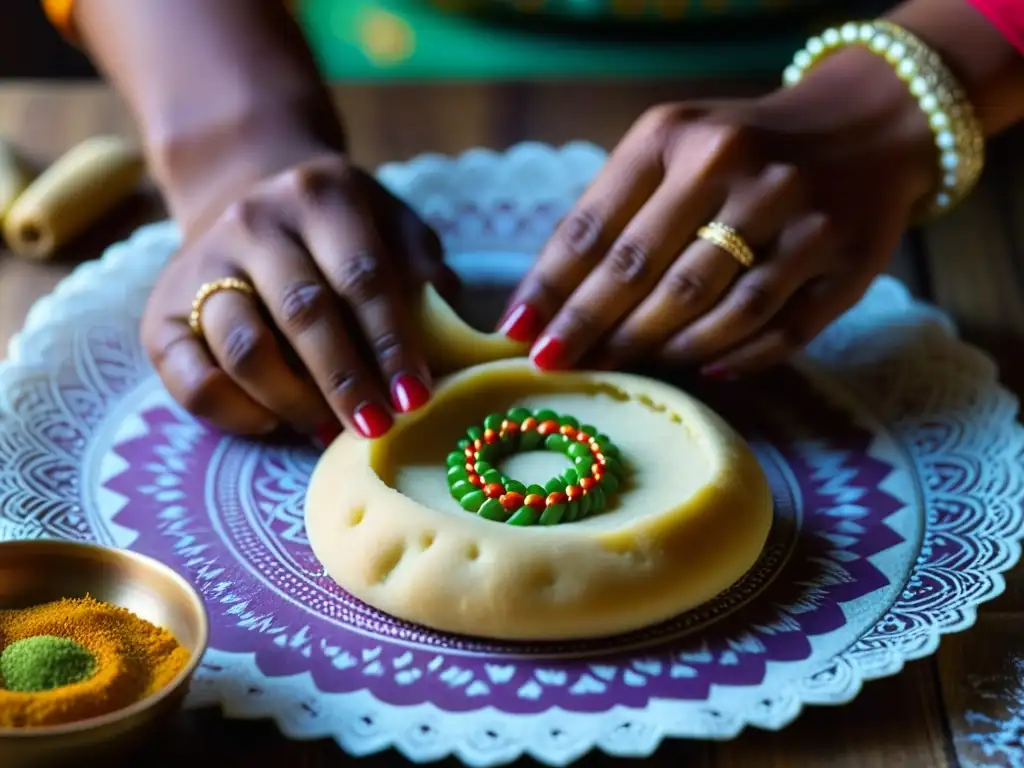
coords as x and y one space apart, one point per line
581 490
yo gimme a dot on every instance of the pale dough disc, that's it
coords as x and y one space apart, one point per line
689 523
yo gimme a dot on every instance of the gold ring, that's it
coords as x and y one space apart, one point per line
206 290
729 240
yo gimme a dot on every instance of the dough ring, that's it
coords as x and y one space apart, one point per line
689 519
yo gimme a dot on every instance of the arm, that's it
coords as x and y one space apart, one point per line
225 93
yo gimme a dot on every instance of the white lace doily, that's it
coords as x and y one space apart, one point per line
894 456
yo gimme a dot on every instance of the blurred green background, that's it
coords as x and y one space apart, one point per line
453 39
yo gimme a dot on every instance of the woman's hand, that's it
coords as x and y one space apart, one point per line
820 181
324 338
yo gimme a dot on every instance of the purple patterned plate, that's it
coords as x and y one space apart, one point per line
894 458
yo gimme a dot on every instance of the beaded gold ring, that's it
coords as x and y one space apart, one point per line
581 490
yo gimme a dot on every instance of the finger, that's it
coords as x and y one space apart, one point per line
629 177
198 385
803 251
809 312
698 279
628 273
343 241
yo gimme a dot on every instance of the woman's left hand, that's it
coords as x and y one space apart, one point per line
820 183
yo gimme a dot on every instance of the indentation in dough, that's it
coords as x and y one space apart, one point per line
472 552
427 540
358 513
387 561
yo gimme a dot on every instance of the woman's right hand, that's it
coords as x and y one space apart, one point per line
324 340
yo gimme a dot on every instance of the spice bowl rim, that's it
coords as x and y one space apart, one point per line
154 700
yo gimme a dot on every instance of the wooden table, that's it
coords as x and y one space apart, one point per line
942 711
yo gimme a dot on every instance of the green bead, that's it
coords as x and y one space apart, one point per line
555 443
491 476
461 488
553 515
481 467
464 443
519 415
493 421
514 486
554 485
457 473
545 414
589 429
614 467
471 502
571 476
524 516
583 465
579 450
529 441
574 512
586 504
475 433
569 421
489 453
455 459
609 483
537 490
597 499
608 448
44 662
492 510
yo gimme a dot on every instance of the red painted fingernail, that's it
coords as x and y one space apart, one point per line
328 433
717 372
408 392
547 353
372 420
521 323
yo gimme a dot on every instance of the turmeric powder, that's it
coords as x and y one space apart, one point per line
120 659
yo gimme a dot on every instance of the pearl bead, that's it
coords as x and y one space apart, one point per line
831 37
907 67
815 45
919 86
792 75
880 42
896 52
938 120
929 103
949 180
849 32
950 160
945 140
866 32
803 60
942 200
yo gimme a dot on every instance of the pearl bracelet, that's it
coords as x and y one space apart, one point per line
958 136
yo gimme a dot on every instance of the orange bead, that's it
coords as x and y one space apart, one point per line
490 436
478 444
470 453
597 471
594 447
548 427
494 490
599 458
583 437
586 483
534 500
470 466
511 501
476 480
568 430
573 492
529 423
554 498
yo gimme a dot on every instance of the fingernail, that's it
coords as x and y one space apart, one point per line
371 420
547 353
717 372
521 323
408 392
328 433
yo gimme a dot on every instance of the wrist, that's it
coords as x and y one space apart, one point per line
203 163
854 102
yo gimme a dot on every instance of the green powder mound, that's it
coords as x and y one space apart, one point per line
43 663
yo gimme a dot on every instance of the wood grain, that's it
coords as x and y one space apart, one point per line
957 707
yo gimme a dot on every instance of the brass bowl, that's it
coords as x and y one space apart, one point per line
34 572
